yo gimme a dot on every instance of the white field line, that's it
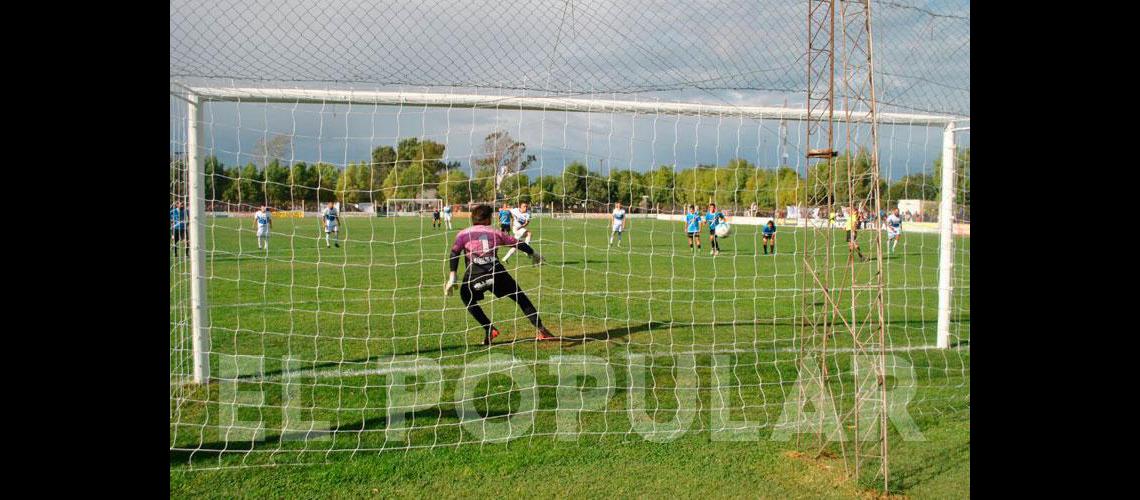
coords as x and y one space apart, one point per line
408 365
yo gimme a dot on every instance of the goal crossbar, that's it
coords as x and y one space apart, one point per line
448 100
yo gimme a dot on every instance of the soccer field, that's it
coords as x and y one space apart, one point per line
683 335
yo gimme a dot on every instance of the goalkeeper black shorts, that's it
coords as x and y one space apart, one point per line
477 282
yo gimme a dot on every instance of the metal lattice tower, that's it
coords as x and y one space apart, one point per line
843 298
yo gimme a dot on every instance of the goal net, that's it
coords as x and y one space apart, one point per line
284 350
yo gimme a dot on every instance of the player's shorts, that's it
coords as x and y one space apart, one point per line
712 230
476 283
693 234
330 228
769 236
179 233
852 236
446 216
262 231
619 228
506 228
520 232
892 234
435 216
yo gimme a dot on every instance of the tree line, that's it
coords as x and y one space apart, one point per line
415 168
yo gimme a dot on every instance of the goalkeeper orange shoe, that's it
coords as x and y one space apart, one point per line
544 334
490 336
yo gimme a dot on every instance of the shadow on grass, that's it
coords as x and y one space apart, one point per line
908 476
218 450
587 261
615 333
618 333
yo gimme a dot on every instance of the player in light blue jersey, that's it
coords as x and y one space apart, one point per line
178 220
693 227
769 234
505 218
713 218
330 220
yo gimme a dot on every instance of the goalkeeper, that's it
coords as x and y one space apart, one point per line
485 273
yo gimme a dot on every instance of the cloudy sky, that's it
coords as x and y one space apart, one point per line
723 52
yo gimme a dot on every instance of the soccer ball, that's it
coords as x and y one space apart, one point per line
723 230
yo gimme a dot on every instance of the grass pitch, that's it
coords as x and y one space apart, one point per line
711 341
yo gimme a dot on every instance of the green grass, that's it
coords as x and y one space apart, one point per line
346 315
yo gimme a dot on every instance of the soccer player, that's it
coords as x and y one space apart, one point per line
520 226
505 218
435 222
853 232
894 227
617 222
264 223
693 227
178 221
447 216
769 233
331 223
713 218
485 273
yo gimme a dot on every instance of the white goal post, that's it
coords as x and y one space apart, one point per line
197 97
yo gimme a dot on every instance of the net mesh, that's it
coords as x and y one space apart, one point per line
321 351
621 46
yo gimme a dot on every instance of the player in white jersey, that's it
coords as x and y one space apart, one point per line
617 222
520 226
894 228
447 216
330 220
264 223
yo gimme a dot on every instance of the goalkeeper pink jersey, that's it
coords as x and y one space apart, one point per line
481 243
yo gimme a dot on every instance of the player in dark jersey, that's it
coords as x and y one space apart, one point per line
486 274
435 222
